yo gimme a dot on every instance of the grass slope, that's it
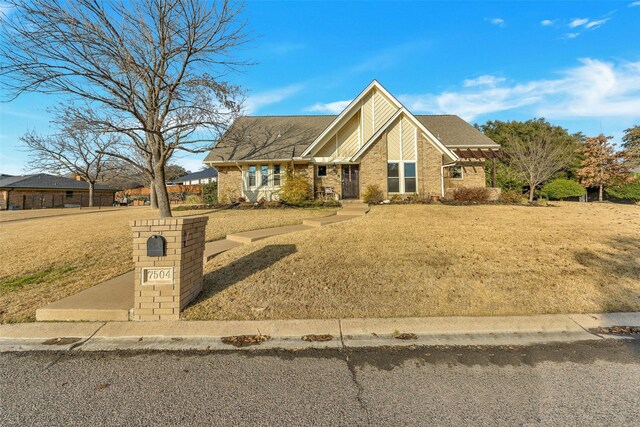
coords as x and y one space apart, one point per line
436 260
46 259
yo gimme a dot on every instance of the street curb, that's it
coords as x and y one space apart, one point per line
288 334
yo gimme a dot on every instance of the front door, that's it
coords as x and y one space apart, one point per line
350 182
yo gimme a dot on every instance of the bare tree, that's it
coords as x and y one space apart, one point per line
536 157
153 70
76 149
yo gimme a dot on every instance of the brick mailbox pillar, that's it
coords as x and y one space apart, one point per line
168 255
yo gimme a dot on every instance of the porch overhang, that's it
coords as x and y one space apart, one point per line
466 154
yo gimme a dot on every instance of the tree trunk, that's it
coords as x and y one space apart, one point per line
153 199
600 192
91 188
532 189
162 195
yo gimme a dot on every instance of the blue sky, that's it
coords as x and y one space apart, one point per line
576 63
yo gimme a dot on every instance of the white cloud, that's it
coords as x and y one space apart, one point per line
577 22
584 24
596 23
593 89
485 80
634 4
261 99
497 21
546 22
329 107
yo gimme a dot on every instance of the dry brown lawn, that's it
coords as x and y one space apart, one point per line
45 259
8 216
436 260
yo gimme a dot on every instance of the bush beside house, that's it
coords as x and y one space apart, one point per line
296 190
471 195
373 194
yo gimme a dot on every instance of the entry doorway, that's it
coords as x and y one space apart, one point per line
350 181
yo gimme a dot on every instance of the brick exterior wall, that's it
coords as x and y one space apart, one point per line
472 176
429 169
373 166
229 184
38 199
373 171
333 179
185 238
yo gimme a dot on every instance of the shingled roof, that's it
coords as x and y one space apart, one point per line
48 182
268 138
454 132
285 137
205 173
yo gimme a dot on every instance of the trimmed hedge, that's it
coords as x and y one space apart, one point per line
629 191
562 188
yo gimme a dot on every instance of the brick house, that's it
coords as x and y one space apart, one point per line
204 176
42 190
374 141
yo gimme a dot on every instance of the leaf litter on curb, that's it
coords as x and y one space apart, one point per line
404 336
245 340
619 330
320 338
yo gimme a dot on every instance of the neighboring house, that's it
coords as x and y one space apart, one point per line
204 176
374 141
49 191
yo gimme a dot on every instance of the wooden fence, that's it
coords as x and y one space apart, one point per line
178 194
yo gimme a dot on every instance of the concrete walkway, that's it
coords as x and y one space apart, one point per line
113 300
288 334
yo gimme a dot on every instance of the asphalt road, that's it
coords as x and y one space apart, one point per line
589 383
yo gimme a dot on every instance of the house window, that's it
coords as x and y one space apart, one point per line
69 195
409 177
252 176
276 175
393 177
455 172
264 175
322 170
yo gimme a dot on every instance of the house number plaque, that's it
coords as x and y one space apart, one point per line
155 275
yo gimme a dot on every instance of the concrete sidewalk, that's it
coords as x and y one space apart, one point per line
288 334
